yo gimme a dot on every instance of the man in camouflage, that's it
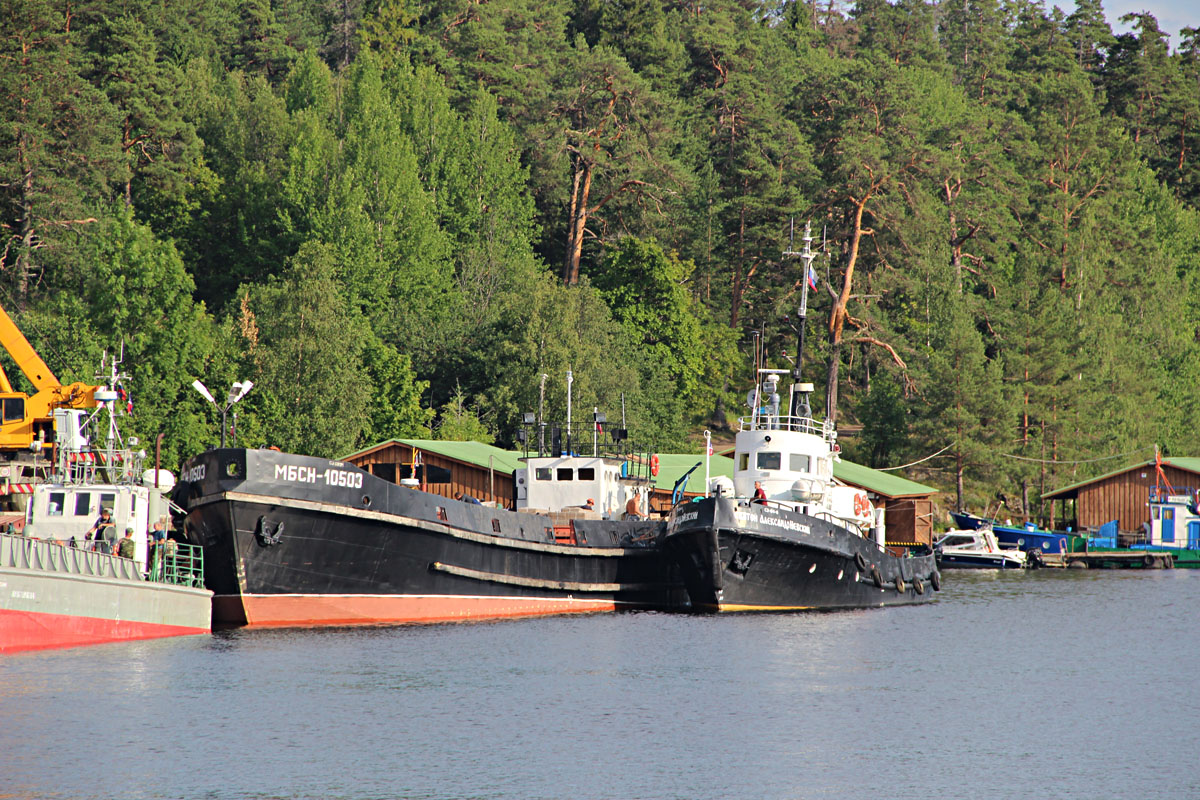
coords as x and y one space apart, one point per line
127 548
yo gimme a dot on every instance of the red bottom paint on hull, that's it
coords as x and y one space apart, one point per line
281 611
27 630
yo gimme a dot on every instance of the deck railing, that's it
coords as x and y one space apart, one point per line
181 564
764 421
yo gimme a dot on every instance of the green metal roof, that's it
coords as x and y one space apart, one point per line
884 483
1066 492
671 467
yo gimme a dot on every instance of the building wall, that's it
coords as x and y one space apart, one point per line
909 521
393 462
1125 497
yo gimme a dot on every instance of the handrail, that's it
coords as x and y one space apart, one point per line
180 564
780 422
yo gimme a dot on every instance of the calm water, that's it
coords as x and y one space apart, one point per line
1050 684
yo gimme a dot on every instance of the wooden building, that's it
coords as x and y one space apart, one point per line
486 473
445 468
1124 494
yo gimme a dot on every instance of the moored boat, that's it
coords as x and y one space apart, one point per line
1027 537
785 535
976 549
63 579
53 595
293 540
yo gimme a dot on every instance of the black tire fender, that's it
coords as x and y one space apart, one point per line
935 580
860 562
899 584
919 585
875 576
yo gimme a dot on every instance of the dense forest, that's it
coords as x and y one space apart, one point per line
396 218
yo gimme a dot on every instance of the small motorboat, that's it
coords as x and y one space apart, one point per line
976 549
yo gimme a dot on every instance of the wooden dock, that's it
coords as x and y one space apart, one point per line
1110 559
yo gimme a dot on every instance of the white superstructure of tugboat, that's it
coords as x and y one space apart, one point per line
786 535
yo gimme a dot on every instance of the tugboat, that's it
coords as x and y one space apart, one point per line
784 535
294 540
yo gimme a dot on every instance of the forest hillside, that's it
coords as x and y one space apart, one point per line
395 217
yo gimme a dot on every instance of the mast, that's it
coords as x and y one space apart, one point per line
808 279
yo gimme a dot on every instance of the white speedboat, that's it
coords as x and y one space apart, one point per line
975 549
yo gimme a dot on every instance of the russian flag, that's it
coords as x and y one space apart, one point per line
812 278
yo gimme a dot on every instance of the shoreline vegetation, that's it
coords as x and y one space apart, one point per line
395 218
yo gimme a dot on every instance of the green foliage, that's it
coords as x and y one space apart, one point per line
311 392
458 423
371 208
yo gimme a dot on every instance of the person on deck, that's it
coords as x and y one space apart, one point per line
97 530
632 510
590 505
127 548
760 494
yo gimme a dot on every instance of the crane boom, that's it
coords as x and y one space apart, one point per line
26 357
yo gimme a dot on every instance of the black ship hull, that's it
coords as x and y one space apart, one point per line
290 540
733 555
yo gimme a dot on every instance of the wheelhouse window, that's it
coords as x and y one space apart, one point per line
587 474
768 461
799 462
542 474
743 461
83 504
55 507
564 474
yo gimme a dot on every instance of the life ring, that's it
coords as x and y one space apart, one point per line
919 585
654 465
899 584
860 562
875 576
935 579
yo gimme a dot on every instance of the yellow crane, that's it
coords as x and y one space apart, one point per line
27 421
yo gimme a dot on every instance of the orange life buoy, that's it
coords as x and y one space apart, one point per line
654 465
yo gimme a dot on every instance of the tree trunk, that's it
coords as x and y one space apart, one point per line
958 481
831 380
577 222
837 315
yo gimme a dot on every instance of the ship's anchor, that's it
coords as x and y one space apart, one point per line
740 562
267 537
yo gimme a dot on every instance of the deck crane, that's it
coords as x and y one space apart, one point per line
27 421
